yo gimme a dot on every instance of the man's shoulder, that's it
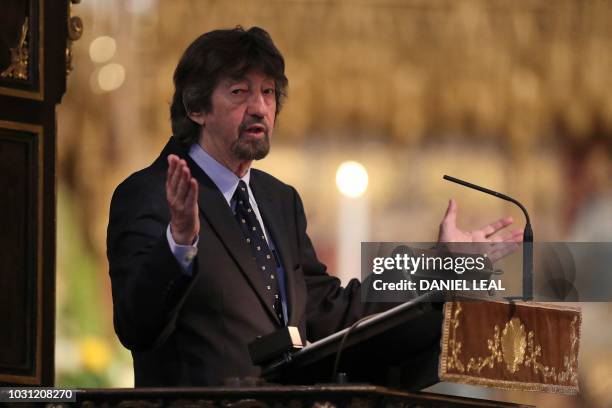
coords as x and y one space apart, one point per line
150 180
146 182
145 178
271 182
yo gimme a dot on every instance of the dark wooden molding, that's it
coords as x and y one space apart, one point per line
31 87
328 396
27 139
21 213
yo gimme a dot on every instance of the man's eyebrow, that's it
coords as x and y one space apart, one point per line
233 80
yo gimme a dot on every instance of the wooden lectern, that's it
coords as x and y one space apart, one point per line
521 346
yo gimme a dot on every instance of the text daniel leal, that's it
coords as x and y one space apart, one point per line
440 284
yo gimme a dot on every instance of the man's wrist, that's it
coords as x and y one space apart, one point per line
182 239
184 254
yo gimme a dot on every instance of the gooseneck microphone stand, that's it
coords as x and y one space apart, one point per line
527 238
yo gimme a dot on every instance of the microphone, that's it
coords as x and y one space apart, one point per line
527 237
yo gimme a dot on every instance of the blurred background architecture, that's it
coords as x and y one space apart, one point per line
512 95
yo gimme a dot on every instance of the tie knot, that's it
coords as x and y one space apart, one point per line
241 192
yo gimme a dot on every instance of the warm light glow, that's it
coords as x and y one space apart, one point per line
352 179
95 354
140 6
93 82
111 77
102 49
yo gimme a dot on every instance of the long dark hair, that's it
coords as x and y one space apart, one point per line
217 54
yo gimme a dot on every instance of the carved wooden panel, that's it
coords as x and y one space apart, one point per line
321 396
33 49
21 59
20 250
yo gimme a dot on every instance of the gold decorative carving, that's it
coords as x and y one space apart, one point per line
570 363
514 346
20 55
477 364
36 54
513 343
75 31
454 345
323 404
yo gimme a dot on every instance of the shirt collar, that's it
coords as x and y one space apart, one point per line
224 179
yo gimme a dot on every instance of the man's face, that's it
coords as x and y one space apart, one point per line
241 122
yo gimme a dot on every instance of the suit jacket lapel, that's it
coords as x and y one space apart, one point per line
270 210
215 209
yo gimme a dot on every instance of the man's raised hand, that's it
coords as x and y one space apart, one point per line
496 247
182 196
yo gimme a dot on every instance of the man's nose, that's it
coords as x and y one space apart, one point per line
257 105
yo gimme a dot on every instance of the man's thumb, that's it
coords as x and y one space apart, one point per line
451 213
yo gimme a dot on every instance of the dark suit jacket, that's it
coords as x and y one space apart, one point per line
195 330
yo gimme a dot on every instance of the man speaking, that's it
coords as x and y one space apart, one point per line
206 253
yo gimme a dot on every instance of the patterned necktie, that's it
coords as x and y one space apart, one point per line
256 239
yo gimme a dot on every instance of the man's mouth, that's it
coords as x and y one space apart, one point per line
256 130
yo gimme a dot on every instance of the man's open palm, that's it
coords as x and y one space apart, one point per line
182 196
498 246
